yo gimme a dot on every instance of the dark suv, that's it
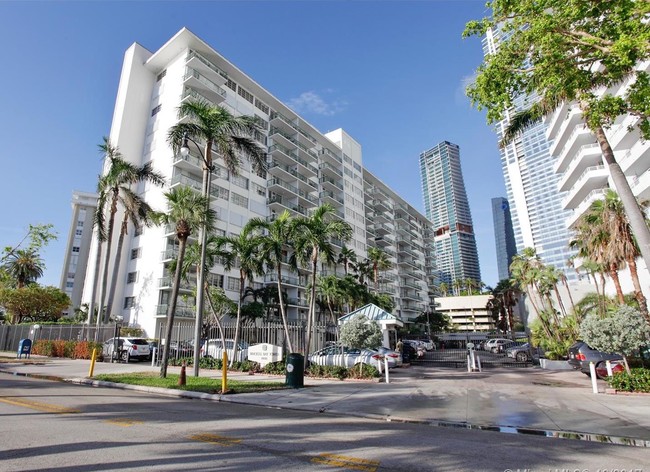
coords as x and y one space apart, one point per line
580 355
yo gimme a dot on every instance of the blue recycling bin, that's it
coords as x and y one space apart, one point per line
24 348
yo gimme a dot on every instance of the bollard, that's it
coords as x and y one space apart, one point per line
92 363
594 384
154 354
609 369
478 360
386 367
182 379
224 373
469 368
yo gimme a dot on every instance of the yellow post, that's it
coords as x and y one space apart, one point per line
92 362
224 373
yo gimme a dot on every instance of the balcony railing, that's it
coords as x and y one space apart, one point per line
191 73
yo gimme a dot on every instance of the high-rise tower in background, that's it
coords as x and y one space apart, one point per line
538 216
504 236
446 205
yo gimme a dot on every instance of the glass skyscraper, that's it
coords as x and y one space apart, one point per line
538 217
504 236
446 205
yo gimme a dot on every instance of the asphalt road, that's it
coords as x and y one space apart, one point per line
56 426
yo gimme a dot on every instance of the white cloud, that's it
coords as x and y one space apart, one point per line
311 102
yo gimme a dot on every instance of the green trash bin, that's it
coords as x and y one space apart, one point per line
295 370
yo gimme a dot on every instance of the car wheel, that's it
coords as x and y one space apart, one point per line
522 357
125 356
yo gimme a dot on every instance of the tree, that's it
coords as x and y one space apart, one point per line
277 238
138 212
379 261
623 332
312 243
117 180
220 306
34 303
244 251
348 258
25 266
573 52
436 322
38 235
330 291
187 212
229 137
361 333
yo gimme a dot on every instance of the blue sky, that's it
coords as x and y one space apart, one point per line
391 73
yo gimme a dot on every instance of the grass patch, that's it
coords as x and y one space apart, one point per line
194 384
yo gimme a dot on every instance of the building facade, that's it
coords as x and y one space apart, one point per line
468 313
305 169
73 273
447 206
538 214
504 236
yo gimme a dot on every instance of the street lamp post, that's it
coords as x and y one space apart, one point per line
207 177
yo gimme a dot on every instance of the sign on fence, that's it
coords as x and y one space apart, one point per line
264 353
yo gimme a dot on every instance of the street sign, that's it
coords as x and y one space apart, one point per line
264 353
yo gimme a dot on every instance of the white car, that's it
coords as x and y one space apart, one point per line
214 348
348 357
492 345
128 348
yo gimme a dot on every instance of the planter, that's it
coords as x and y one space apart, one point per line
554 365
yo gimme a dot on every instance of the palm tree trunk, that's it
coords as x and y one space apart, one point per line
107 257
242 280
613 273
638 292
93 290
116 264
216 320
602 298
559 300
568 291
172 306
312 304
634 213
283 312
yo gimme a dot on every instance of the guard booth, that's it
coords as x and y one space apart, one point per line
24 348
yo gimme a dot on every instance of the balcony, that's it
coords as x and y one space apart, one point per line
327 155
182 311
572 118
280 187
328 169
287 280
279 121
584 205
641 186
580 136
636 160
284 139
199 62
330 197
555 119
301 302
204 85
620 138
592 178
330 184
588 156
167 283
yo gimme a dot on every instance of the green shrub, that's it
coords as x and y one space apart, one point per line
278 368
367 372
638 380
131 332
43 348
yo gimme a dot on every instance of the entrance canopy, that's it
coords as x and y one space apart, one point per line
373 312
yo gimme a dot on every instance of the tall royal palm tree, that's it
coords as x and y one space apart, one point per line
278 235
117 179
138 212
25 266
242 251
330 291
187 212
379 261
312 244
230 137
348 258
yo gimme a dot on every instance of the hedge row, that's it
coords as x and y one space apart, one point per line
638 380
69 349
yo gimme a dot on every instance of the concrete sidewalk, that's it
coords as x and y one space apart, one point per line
524 400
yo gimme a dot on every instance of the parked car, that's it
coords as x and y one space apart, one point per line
128 348
502 348
180 349
409 353
347 357
214 348
492 345
393 356
521 352
581 354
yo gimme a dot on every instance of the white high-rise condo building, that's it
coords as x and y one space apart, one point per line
538 214
583 175
305 169
447 206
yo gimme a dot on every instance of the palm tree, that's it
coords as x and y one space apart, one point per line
187 211
230 137
243 250
379 261
278 235
312 242
348 258
138 212
444 289
117 179
329 290
24 265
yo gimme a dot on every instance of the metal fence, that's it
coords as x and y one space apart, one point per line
10 335
451 350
